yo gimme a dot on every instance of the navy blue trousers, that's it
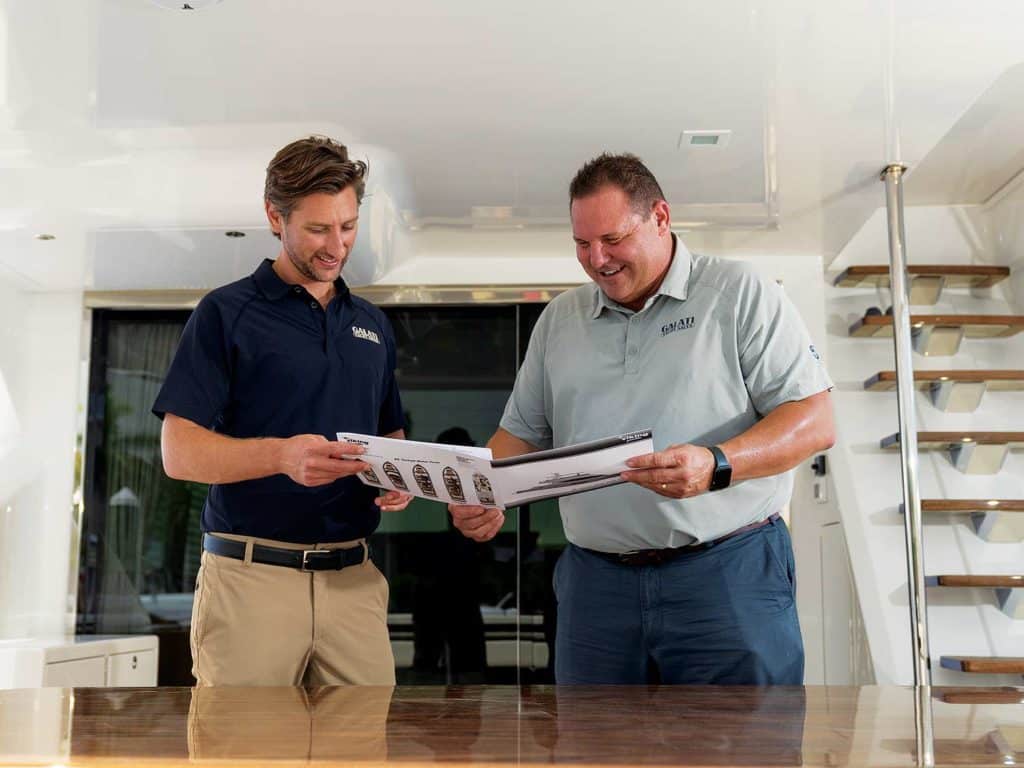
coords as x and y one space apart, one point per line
725 615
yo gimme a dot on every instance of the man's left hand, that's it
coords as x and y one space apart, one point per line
393 501
677 472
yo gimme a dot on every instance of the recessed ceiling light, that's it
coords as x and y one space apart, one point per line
234 233
45 236
705 138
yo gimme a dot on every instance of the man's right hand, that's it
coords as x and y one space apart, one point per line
313 460
477 523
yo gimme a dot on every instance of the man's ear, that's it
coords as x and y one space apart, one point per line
662 216
275 219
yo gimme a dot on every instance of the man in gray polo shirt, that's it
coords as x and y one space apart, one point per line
685 574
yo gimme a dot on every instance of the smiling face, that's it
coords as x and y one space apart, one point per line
316 238
625 253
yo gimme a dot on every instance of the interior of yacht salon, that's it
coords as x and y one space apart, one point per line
864 156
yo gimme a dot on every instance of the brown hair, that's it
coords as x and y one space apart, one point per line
625 171
306 166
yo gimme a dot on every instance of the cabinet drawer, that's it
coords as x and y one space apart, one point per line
134 668
77 673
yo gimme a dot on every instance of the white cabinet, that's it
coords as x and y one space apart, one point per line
84 661
134 668
77 673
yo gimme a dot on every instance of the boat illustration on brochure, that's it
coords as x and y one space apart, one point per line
371 476
556 480
422 478
453 484
395 476
484 492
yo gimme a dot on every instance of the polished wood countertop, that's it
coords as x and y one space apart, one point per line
598 726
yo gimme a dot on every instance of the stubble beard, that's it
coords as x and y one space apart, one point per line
306 269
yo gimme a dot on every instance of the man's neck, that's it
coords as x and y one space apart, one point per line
323 292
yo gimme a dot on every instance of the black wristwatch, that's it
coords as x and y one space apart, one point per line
721 476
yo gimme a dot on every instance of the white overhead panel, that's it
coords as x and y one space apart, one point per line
980 154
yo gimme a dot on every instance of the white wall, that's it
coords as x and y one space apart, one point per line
40 335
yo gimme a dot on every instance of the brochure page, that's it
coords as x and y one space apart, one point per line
468 475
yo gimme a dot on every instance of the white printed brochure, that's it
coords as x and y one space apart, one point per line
469 475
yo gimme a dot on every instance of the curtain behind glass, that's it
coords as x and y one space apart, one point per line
150 541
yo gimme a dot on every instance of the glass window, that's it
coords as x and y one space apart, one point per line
460 612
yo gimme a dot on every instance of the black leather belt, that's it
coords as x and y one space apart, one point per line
659 556
303 559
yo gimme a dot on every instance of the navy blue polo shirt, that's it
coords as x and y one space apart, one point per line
261 358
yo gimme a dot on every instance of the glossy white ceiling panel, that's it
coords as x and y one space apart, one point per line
509 102
118 116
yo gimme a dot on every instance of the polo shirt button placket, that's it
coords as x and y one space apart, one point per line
632 348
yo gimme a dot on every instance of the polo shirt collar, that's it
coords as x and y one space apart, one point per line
274 288
674 284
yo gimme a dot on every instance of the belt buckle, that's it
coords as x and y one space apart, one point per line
305 567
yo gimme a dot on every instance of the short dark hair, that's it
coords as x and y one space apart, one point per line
310 165
625 171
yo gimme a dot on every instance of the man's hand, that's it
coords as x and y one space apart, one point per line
393 501
477 523
678 471
313 460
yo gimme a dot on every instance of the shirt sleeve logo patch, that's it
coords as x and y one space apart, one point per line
362 333
681 324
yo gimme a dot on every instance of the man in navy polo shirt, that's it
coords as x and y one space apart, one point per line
268 369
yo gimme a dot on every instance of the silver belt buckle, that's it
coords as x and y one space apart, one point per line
305 555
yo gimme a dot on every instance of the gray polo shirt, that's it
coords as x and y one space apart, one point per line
714 350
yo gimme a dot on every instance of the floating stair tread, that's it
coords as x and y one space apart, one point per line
995 379
957 275
965 580
941 440
972 505
975 326
965 695
985 664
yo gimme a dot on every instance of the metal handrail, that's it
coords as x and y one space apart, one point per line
893 178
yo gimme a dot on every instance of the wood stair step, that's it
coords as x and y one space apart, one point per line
956 275
946 440
973 580
972 506
967 695
985 664
995 379
974 326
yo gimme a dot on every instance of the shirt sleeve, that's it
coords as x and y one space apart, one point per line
391 417
777 357
198 383
527 412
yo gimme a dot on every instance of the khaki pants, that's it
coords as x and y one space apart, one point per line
256 624
339 723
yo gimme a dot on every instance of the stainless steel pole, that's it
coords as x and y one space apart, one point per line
893 177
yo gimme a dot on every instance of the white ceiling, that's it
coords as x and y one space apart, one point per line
137 134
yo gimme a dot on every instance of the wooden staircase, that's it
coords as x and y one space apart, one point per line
972 452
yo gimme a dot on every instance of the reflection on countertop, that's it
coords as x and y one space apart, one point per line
811 726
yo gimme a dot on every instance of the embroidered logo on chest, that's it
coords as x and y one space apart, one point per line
362 333
682 324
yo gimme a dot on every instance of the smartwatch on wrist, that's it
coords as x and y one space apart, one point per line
721 475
